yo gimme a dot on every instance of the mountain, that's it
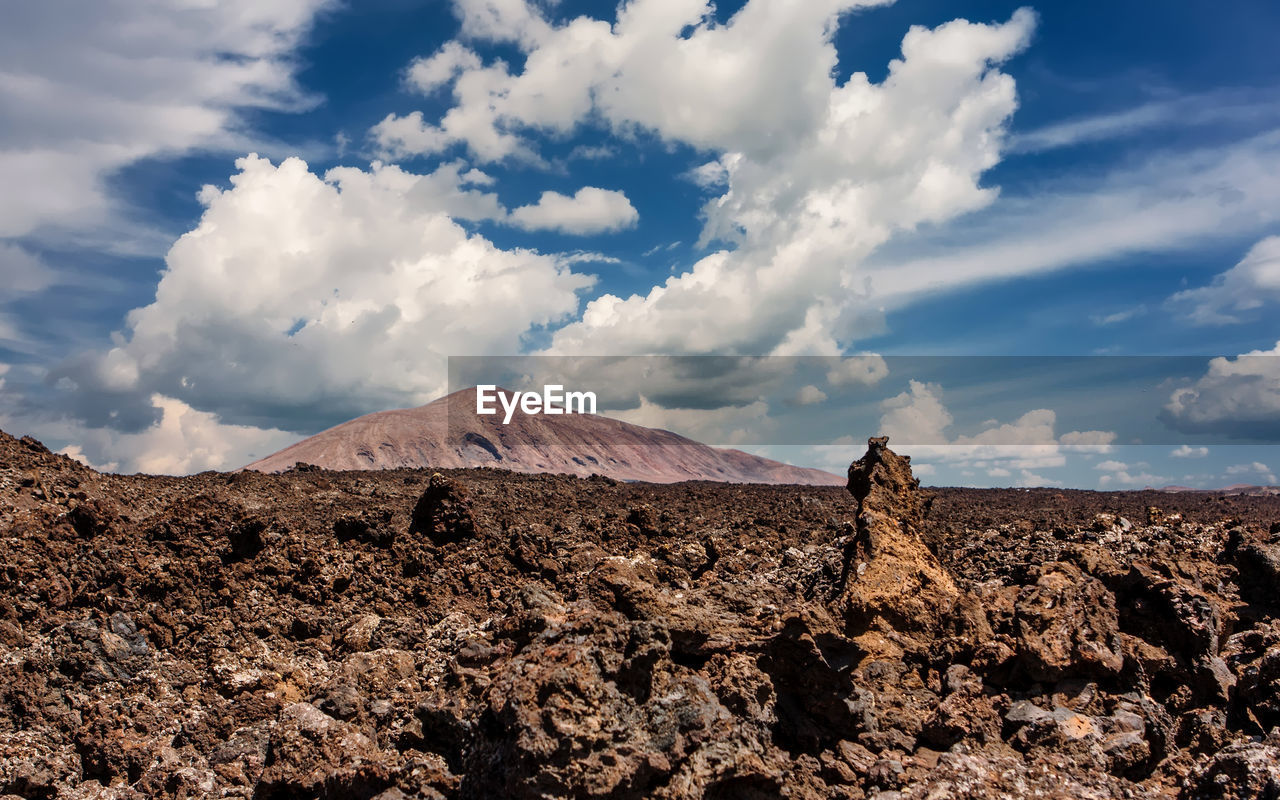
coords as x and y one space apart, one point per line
449 434
1234 489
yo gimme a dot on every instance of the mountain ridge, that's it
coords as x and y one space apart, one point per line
448 434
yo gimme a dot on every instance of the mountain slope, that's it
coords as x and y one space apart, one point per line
448 434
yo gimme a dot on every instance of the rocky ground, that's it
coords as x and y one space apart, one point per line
479 634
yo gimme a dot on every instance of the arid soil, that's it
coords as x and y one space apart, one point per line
483 634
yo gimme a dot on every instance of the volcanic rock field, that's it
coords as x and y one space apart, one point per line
486 634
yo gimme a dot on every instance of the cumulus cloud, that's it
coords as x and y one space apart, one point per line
302 300
728 425
1256 468
1088 441
589 210
863 370
918 420
90 86
1187 451
1236 397
1118 473
813 174
916 415
1248 286
182 441
809 395
428 74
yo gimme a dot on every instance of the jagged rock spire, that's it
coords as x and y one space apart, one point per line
894 587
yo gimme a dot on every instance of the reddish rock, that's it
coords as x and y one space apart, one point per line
256 635
1067 626
895 590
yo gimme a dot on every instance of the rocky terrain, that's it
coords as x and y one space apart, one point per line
486 634
449 434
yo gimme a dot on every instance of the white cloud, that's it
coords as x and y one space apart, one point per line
816 174
22 272
713 174
588 257
1213 108
589 210
1126 478
1241 469
917 420
502 21
1236 397
1256 468
809 395
1170 201
862 370
429 74
592 152
1028 478
1187 451
1119 473
300 300
728 425
183 441
1248 286
917 415
1116 317
708 88
101 84
1088 441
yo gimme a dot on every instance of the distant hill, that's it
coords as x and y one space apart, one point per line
1236 488
578 444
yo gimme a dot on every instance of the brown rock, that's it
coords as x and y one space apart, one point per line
893 583
1243 771
313 754
1067 626
443 512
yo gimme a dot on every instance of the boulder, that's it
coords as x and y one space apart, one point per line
443 512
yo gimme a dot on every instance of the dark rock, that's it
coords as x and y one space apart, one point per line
91 518
645 518
246 538
1259 566
443 512
373 529
33 445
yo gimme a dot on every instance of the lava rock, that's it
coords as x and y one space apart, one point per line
1067 626
1242 771
893 583
443 512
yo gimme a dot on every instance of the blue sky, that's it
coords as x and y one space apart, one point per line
500 177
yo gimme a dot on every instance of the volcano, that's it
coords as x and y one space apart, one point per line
448 434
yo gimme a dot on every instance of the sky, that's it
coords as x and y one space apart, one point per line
230 225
